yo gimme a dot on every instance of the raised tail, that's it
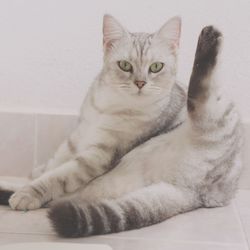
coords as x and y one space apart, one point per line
141 208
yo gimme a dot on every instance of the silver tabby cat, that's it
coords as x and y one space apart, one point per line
134 97
141 153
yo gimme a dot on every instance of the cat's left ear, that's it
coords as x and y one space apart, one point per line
112 32
171 31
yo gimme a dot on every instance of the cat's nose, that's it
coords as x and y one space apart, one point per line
140 84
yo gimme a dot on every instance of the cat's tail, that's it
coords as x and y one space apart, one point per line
5 196
141 208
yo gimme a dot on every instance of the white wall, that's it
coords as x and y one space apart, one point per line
50 50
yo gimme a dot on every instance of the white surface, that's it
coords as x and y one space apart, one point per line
54 246
226 228
52 49
28 140
243 201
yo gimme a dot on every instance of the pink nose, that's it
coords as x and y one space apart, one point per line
140 84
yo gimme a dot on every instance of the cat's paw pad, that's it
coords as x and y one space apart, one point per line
208 44
24 200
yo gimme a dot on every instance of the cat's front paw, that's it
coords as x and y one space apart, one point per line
24 199
208 45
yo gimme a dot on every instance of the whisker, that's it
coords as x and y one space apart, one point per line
124 86
154 87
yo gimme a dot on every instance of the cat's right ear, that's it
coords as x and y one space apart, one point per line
170 32
112 32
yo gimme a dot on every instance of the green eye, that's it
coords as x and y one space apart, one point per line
125 66
156 67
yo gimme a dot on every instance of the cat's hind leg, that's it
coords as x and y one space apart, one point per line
203 78
214 122
208 108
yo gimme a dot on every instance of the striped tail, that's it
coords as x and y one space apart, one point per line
141 208
5 196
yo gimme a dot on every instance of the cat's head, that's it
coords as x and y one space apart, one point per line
140 64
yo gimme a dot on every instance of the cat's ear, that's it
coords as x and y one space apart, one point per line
112 31
171 31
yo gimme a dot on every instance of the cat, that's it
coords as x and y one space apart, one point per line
135 97
194 165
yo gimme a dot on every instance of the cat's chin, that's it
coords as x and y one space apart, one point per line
140 93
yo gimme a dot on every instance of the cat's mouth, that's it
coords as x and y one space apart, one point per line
138 92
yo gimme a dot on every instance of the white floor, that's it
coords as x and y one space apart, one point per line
226 228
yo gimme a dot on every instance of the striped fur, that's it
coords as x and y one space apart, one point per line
142 208
116 115
164 165
195 165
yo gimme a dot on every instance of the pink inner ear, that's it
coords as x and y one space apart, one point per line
108 35
108 45
112 31
170 31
